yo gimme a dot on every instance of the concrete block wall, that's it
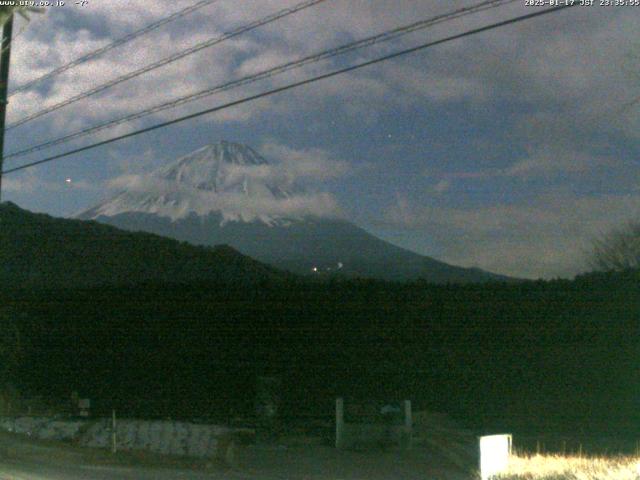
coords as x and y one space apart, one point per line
163 436
42 427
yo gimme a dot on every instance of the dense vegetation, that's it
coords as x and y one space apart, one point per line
536 355
38 250
155 327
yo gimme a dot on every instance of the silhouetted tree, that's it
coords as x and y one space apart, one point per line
618 250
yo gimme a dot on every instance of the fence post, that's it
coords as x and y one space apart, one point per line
408 424
114 443
339 422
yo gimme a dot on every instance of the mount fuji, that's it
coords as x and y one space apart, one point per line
226 193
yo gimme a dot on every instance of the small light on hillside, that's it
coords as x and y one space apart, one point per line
315 269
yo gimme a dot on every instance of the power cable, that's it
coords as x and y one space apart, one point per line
269 73
116 43
296 84
166 61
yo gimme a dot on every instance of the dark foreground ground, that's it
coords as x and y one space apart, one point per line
24 459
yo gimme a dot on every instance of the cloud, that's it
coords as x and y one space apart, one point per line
132 182
549 160
437 87
312 163
146 161
548 237
46 50
31 182
282 188
567 68
544 161
181 199
27 184
442 186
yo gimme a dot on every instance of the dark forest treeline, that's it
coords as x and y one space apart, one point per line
38 251
532 355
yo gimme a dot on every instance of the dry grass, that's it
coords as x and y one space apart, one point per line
558 467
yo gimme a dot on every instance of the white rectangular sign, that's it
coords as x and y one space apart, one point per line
494 455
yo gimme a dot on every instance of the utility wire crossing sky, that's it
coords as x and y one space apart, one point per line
288 87
317 57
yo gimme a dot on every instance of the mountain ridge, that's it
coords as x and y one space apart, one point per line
214 177
37 249
226 193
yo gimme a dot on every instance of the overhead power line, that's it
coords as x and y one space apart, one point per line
271 72
291 86
121 41
166 61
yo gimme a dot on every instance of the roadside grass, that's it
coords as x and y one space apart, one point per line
571 467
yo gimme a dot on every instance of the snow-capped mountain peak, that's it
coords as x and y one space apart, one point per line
227 193
224 167
226 178
209 167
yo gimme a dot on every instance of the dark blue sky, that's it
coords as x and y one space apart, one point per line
510 150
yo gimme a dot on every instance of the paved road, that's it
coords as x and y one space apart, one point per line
256 463
23 470
22 458
270 467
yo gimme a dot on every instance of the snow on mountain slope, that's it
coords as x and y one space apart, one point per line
227 193
227 178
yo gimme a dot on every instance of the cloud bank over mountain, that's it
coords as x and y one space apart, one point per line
233 180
